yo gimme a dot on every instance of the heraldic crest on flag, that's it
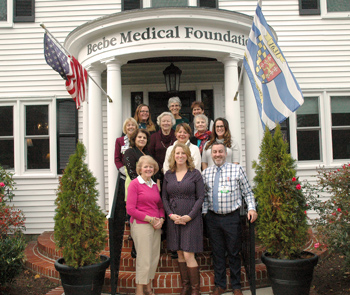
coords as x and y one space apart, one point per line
69 69
275 88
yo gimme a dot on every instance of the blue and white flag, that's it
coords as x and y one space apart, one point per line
276 91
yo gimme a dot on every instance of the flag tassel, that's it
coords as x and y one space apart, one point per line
69 55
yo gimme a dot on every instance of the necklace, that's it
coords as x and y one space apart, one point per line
168 144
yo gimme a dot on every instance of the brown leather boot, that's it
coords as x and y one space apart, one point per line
185 279
194 279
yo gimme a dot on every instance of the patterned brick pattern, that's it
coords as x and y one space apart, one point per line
41 255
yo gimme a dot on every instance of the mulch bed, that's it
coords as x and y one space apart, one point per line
330 278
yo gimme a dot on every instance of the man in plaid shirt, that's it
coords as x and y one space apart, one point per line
226 184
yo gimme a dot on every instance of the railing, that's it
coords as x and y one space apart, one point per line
116 231
248 249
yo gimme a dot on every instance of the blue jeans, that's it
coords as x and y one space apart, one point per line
225 235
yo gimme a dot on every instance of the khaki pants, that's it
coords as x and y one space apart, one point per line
147 245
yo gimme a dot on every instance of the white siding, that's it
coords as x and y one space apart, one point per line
317 51
25 75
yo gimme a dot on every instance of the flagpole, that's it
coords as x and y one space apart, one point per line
69 55
239 83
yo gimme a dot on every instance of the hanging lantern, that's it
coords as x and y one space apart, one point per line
172 78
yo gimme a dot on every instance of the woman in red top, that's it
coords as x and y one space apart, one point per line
145 207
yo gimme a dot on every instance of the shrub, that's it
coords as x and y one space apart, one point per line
281 224
11 257
333 222
79 221
12 242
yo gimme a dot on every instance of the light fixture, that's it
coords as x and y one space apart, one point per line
172 78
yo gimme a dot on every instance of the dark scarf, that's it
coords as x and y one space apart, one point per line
167 140
203 138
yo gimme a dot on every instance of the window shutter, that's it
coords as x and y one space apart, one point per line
67 132
23 11
309 7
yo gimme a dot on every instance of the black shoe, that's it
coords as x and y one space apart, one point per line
174 255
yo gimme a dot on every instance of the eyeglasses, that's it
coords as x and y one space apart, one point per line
144 111
220 126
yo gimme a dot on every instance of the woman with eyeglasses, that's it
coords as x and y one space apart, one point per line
143 118
221 134
174 105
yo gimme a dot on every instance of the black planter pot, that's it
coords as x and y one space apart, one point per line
86 280
290 277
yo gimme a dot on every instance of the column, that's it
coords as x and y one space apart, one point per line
232 108
253 127
86 128
114 120
95 134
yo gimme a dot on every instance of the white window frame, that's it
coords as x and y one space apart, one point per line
337 15
325 113
335 162
9 22
21 147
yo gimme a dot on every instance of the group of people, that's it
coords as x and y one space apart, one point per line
181 178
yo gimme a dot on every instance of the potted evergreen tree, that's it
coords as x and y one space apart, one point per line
79 229
282 224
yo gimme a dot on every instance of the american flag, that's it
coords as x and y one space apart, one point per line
69 69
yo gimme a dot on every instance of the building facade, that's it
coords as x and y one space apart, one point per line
125 46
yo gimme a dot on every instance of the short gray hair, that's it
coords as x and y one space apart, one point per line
160 117
201 116
174 99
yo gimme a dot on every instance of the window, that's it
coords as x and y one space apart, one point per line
6 13
13 11
208 3
338 5
6 137
131 4
309 130
37 137
138 4
167 3
67 132
309 7
23 11
340 107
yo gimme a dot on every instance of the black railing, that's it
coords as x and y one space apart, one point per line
248 250
116 231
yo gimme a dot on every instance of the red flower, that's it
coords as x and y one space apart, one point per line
2 184
334 213
317 245
339 210
298 186
294 179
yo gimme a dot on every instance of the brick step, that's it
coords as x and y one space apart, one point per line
46 246
163 283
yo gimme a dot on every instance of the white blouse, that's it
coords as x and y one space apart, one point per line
196 155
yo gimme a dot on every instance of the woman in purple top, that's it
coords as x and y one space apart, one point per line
145 207
160 141
183 195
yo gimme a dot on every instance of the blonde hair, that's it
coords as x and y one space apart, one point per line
127 121
189 161
146 160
